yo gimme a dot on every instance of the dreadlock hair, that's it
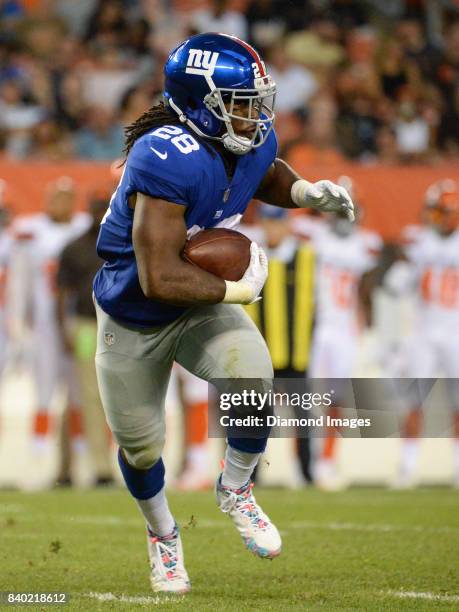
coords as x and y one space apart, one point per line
157 115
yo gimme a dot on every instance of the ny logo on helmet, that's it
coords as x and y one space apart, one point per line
201 62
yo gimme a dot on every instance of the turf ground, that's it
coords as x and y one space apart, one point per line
363 549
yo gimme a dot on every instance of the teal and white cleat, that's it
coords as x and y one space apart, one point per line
168 573
259 534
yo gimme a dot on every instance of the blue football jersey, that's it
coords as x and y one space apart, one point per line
171 164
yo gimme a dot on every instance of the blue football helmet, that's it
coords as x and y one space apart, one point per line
213 79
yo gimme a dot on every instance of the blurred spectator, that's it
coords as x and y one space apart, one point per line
267 22
447 76
10 11
348 14
134 103
108 74
315 47
358 120
412 131
76 14
412 36
386 146
107 25
395 70
448 136
62 59
49 142
70 104
169 27
138 38
317 144
219 18
358 129
102 138
17 116
42 37
295 84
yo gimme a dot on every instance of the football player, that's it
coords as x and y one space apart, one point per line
194 161
344 253
193 394
431 270
5 252
40 239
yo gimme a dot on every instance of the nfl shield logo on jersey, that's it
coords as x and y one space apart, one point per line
109 338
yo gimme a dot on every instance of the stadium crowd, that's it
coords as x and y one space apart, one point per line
367 80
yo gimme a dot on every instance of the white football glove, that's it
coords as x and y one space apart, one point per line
324 196
247 290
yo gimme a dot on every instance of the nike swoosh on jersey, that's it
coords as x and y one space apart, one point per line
159 154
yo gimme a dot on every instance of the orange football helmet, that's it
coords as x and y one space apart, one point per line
441 208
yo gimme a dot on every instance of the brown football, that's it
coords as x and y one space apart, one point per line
222 252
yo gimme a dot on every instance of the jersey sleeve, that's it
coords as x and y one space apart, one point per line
25 228
164 168
412 241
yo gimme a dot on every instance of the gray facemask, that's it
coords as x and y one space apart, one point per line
342 227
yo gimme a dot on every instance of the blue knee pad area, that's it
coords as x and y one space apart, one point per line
142 484
249 445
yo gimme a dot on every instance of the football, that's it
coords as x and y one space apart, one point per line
220 251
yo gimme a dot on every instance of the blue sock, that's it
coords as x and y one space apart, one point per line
249 445
142 484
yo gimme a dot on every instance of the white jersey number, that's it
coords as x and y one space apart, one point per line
185 143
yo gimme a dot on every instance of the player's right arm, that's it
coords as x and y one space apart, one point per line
159 235
164 176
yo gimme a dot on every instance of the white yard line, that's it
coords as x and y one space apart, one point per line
110 520
376 527
158 600
106 520
429 596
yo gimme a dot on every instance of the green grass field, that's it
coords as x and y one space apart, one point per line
363 549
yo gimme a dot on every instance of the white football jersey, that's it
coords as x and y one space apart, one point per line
435 265
5 252
341 262
44 241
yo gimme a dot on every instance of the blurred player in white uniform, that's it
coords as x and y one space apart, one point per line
344 253
5 252
431 271
193 392
40 241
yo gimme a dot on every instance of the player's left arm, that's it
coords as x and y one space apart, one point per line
283 187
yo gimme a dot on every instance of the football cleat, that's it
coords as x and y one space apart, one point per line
168 573
259 534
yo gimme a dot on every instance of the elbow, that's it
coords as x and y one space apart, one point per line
153 286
